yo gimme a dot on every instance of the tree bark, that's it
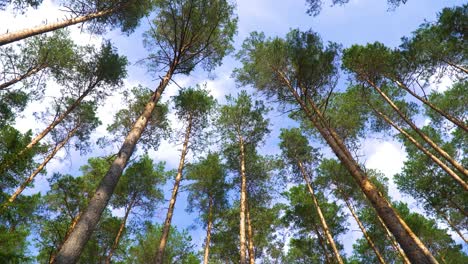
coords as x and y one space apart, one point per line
41 167
74 245
250 236
208 232
439 150
394 244
414 248
175 190
434 158
364 232
322 245
323 222
243 200
121 229
26 33
449 117
30 72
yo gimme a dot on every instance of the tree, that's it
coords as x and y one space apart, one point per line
208 193
298 154
19 4
299 71
193 108
179 248
242 124
124 14
315 6
212 26
137 190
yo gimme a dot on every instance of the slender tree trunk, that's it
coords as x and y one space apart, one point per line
250 237
19 78
75 243
450 223
414 248
457 206
393 242
121 229
439 150
364 232
41 167
449 117
322 245
26 33
243 200
434 158
175 190
458 67
69 230
323 222
206 255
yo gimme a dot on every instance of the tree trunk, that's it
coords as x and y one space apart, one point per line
73 246
30 72
439 150
121 229
243 200
323 222
26 33
450 223
458 67
322 245
434 158
414 248
449 117
69 230
364 232
394 244
175 190
41 167
250 236
208 232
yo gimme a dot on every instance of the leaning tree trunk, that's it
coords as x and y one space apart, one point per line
243 200
175 190
364 232
250 237
434 158
322 245
449 117
414 248
121 229
75 243
41 167
26 33
393 242
458 67
21 77
208 231
439 150
323 222
67 234
449 222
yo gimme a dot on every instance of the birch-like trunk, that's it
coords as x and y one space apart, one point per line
175 191
75 243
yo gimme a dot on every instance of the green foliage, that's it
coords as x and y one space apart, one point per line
19 5
450 101
157 127
315 6
179 248
185 33
11 104
295 148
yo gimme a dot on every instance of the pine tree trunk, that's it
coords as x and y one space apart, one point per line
41 167
450 223
69 230
206 255
26 33
121 229
175 190
322 244
414 248
323 222
250 236
243 200
74 245
30 72
439 150
364 232
458 67
449 117
434 158
394 244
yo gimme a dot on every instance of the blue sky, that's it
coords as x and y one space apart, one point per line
359 22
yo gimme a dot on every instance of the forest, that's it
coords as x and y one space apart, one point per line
222 131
